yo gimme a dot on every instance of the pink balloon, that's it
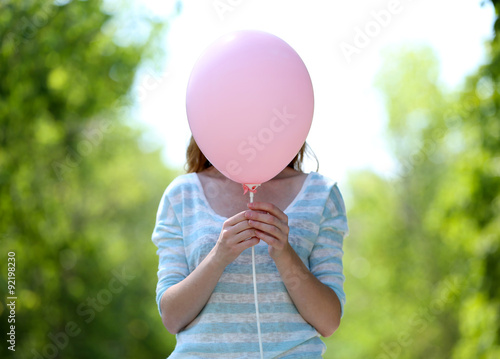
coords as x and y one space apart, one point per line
250 105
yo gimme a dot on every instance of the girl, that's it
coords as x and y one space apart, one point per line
204 233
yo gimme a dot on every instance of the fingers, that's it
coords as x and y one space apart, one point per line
248 243
245 235
273 230
270 225
235 219
240 226
269 208
264 222
267 222
270 240
239 232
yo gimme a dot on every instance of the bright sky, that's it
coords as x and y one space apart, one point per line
349 117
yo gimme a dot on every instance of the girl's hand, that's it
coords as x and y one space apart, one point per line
271 225
236 236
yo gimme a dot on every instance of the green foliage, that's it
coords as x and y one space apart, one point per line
423 257
78 198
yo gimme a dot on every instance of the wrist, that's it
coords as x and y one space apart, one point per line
216 260
292 270
285 256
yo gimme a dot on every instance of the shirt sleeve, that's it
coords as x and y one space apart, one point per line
326 256
167 236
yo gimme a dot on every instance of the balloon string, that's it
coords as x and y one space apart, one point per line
255 294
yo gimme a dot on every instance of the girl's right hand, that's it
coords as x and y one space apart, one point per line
236 236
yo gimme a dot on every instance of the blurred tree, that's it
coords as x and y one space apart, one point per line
423 256
402 295
78 197
471 207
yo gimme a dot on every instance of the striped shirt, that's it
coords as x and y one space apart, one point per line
186 230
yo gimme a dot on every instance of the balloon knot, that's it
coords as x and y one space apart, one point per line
250 187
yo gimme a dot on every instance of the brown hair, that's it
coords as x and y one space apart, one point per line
197 162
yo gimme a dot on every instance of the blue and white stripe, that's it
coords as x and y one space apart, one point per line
186 230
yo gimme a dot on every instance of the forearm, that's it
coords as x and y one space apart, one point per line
317 303
182 302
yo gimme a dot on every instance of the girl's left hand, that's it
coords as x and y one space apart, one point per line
271 226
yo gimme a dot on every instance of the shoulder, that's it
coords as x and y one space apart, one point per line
327 189
322 183
179 194
319 180
182 184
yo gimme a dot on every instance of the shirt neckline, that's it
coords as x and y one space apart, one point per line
287 209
